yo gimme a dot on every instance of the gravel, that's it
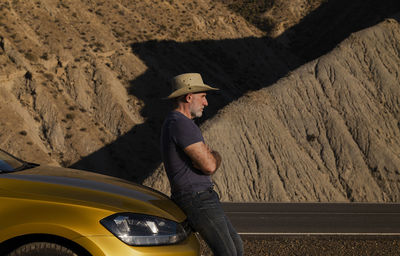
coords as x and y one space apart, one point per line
318 245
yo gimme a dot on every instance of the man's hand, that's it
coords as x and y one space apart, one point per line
217 157
203 157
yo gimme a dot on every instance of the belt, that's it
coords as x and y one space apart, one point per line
208 190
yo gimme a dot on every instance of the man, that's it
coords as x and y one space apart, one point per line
189 164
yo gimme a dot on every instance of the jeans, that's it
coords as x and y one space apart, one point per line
206 216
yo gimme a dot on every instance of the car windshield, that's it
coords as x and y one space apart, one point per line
8 163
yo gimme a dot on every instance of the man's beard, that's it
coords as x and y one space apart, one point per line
196 113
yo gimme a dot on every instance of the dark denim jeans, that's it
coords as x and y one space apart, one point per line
206 216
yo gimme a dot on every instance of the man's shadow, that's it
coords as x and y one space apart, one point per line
236 66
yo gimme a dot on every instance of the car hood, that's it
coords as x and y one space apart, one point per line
63 185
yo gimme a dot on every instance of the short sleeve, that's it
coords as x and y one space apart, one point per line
185 133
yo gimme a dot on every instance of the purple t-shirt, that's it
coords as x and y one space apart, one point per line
177 133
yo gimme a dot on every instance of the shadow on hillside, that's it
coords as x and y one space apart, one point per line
236 66
334 21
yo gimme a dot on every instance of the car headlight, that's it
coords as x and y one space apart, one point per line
140 229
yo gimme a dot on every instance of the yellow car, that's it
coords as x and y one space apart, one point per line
60 211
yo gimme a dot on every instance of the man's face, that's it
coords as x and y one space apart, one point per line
197 104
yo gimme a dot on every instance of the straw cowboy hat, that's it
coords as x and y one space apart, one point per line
188 83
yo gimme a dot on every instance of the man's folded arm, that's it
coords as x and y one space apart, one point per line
203 157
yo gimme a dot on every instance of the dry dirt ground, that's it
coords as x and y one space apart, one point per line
309 107
318 246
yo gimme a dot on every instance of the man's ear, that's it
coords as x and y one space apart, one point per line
189 97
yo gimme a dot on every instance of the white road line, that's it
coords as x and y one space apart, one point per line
318 234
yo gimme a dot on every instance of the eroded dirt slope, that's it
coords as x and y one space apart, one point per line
329 131
82 81
66 72
81 84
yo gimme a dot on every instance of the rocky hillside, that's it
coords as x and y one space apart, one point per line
81 85
82 81
329 131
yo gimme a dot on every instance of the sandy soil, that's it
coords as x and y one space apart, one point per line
316 246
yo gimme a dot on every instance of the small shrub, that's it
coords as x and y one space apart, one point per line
64 5
311 137
30 56
49 76
99 45
65 163
119 33
44 56
70 116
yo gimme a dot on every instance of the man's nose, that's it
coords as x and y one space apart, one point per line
205 102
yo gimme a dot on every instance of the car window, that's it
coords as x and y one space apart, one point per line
9 163
5 167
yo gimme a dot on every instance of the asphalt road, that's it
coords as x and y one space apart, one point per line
315 218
